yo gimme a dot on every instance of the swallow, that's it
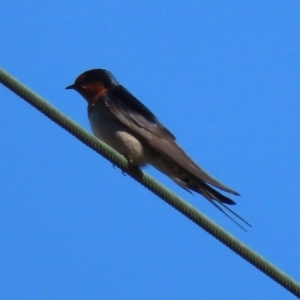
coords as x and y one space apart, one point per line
120 120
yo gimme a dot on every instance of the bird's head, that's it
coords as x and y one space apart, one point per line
93 84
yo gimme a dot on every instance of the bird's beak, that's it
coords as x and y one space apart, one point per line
71 87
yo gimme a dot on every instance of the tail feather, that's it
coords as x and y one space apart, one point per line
190 182
215 195
228 216
217 199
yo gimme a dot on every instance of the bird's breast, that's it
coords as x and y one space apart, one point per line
110 130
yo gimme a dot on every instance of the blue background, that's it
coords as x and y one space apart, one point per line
223 76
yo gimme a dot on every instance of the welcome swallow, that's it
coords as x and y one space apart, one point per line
124 123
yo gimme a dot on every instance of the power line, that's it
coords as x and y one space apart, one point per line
150 183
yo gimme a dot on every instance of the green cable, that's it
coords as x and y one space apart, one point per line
150 183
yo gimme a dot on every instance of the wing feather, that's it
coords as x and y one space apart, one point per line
144 124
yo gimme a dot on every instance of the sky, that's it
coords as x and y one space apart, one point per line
222 76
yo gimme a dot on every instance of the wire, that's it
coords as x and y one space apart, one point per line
175 201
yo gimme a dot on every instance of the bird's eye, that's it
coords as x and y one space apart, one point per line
84 86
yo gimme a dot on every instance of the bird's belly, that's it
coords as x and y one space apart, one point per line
119 137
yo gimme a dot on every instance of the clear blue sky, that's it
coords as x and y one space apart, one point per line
223 76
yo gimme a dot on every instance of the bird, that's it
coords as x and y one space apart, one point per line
124 123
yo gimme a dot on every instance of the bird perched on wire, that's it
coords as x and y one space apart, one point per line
128 126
